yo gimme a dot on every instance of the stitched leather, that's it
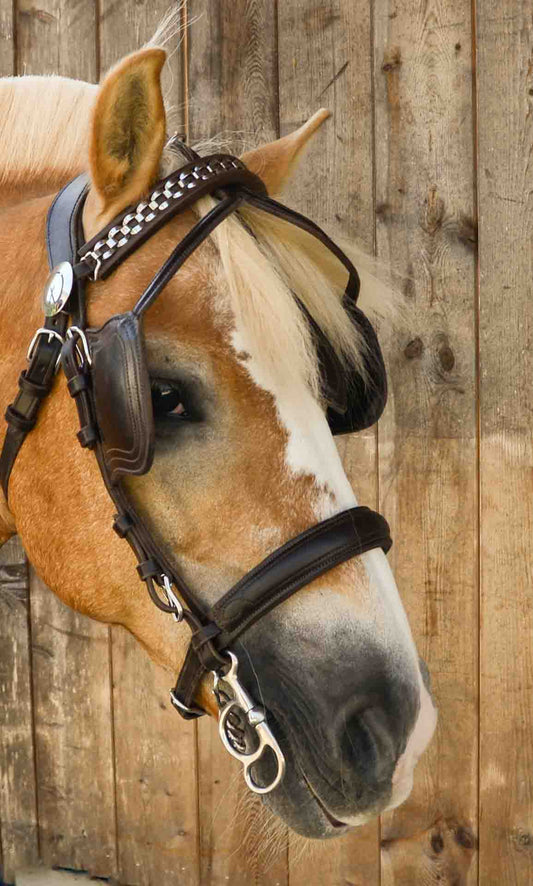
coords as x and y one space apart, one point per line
302 559
122 398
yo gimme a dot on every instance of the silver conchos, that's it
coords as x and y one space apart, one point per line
57 289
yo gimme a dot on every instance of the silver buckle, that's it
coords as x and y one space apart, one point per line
83 354
97 266
192 712
177 615
51 333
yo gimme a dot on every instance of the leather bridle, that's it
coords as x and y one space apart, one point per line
64 338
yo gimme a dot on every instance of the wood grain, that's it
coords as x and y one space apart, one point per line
232 78
428 483
7 39
18 805
156 774
325 61
232 71
76 805
505 185
73 736
57 37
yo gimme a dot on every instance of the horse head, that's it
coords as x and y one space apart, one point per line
244 459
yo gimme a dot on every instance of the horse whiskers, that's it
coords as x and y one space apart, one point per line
264 836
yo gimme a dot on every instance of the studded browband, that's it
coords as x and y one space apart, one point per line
62 337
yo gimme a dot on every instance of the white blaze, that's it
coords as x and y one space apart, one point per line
311 450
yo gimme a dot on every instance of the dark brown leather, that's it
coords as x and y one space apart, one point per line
136 224
296 564
122 397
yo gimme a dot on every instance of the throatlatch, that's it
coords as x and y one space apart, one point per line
107 376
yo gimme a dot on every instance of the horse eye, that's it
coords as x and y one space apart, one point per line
167 400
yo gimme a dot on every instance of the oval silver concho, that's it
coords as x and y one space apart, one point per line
57 289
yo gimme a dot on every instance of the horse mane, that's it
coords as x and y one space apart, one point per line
44 127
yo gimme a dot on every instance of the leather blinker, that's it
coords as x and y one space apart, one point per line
122 396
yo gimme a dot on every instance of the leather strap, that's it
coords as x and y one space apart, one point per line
296 564
267 204
185 248
180 190
37 380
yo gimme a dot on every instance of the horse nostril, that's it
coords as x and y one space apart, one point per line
366 744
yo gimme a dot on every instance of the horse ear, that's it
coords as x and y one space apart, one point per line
127 137
275 162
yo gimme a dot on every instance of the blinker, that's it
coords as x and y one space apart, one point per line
122 395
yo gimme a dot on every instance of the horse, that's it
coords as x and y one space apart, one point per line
244 457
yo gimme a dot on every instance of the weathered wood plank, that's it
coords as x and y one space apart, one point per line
73 736
325 61
71 680
232 78
18 804
232 71
156 774
56 37
425 225
7 39
505 186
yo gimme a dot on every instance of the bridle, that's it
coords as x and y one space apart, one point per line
108 379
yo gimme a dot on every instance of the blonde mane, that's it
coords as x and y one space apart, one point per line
44 128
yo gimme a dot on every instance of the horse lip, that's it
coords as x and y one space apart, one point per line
334 822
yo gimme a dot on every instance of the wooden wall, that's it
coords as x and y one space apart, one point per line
428 150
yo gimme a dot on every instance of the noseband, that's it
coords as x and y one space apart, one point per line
108 378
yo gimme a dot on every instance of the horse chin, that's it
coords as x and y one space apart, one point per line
297 803
301 809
